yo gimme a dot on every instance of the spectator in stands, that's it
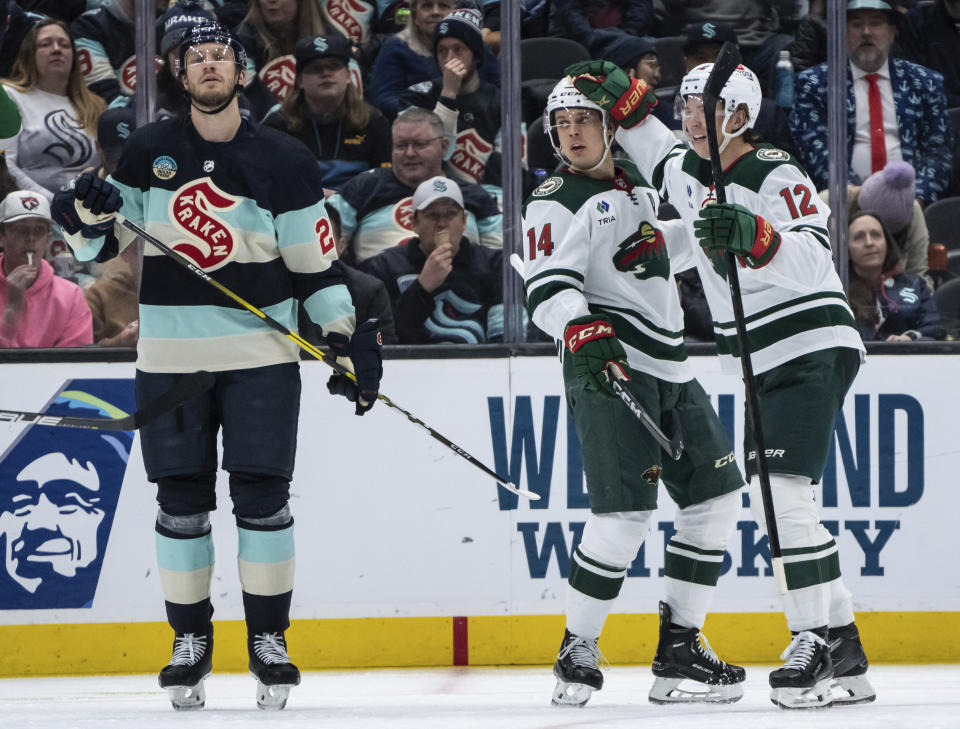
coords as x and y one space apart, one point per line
38 308
374 206
595 23
444 289
269 32
809 45
7 183
327 113
637 56
176 22
408 57
896 110
930 36
14 26
890 195
755 23
59 113
888 305
66 10
468 106
105 47
369 295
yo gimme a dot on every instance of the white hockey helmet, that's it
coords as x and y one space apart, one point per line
566 96
742 88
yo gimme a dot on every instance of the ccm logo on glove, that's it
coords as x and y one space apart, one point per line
578 335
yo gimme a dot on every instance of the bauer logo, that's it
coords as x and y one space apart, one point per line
59 489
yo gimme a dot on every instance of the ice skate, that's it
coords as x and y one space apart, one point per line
191 663
577 671
271 666
688 671
850 684
804 680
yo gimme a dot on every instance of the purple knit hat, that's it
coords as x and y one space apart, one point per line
889 194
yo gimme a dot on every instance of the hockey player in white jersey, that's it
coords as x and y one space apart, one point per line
598 279
801 335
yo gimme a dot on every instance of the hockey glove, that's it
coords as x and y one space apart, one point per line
363 357
89 208
628 100
594 346
730 227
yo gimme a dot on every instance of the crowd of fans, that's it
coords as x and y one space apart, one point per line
399 102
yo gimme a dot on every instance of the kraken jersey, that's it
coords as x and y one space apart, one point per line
248 211
596 246
376 213
105 51
794 304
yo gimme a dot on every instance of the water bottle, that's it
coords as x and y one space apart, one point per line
784 80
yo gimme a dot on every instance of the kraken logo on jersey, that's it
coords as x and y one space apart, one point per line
470 155
403 214
211 242
350 17
278 75
644 254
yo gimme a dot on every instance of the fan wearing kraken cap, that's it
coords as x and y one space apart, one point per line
801 334
598 279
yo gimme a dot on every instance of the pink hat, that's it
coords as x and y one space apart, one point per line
889 194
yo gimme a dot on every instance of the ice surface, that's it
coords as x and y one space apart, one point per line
925 697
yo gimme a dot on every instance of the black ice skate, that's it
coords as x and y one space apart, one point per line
850 683
577 670
688 671
271 666
191 663
804 680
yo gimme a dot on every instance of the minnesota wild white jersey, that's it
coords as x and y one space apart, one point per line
596 246
795 303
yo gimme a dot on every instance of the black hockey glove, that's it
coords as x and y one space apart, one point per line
88 208
363 349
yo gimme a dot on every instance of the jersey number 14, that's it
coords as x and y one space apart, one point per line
542 242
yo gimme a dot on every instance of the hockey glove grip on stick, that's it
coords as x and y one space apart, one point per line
628 100
594 345
731 227
88 208
364 352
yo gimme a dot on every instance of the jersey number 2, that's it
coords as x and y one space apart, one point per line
803 192
543 242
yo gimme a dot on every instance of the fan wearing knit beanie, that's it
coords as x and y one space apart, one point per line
468 105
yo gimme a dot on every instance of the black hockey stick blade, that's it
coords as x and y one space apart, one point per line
727 61
188 386
674 445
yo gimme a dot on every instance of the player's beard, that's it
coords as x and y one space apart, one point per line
211 98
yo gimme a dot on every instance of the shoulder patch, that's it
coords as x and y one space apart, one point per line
548 187
768 154
164 167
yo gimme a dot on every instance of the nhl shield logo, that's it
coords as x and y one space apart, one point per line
196 209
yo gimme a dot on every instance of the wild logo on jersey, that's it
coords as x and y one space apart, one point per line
211 242
278 76
644 254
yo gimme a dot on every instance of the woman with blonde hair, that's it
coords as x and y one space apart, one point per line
327 113
58 137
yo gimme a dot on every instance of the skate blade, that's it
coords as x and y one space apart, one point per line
850 690
571 694
187 698
687 691
272 698
817 696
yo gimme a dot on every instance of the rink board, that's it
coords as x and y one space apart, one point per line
407 555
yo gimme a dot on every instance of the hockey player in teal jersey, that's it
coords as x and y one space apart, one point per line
598 280
801 334
246 204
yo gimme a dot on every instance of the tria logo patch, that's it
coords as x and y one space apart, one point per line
211 241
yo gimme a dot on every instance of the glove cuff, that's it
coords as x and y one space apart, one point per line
632 101
579 332
766 243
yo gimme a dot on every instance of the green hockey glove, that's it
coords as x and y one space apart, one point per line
594 346
628 100
730 227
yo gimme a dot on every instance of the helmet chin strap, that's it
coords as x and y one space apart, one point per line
608 140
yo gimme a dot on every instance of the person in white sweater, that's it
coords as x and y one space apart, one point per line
59 115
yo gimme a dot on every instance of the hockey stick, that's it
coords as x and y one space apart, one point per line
673 446
312 350
186 387
727 61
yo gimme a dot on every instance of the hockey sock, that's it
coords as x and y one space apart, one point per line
841 604
694 557
185 560
266 565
